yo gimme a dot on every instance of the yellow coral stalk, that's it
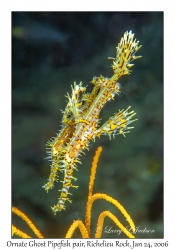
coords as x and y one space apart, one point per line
85 229
93 170
28 221
116 221
16 231
111 200
75 224
92 198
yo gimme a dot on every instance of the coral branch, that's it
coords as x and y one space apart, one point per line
100 223
16 231
111 200
75 224
93 170
28 221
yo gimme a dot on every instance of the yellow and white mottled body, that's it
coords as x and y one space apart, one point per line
80 123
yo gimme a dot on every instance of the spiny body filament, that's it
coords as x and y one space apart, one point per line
81 123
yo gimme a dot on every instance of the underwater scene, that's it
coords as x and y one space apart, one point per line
52 51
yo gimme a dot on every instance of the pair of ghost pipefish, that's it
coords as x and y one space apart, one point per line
81 123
